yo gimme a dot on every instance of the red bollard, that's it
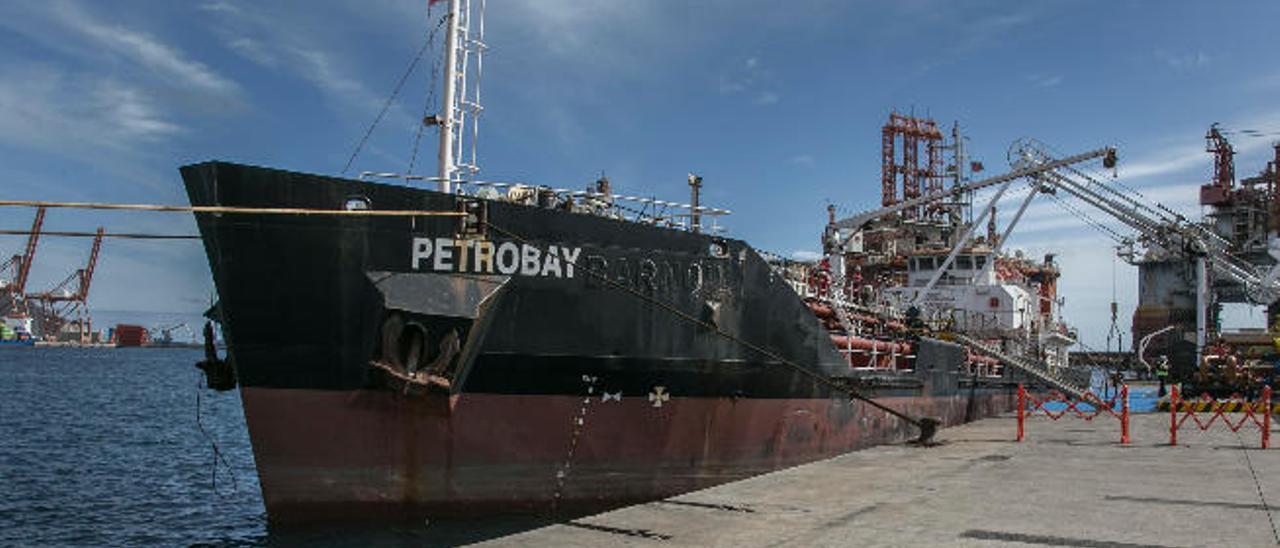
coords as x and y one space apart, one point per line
1124 414
1266 417
1022 409
1173 415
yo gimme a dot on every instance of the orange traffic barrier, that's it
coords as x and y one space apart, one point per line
1258 413
1076 408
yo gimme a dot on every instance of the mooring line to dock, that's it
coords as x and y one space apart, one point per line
235 210
927 426
1254 474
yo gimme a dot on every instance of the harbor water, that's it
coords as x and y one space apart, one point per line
102 447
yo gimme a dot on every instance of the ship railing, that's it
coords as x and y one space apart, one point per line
1035 371
983 370
878 359
668 213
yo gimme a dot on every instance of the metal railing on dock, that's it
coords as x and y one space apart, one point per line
1037 373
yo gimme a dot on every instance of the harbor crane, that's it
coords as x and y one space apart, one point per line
68 301
19 267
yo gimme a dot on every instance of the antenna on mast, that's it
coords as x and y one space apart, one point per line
459 129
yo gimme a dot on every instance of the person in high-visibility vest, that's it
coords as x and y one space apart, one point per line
1162 373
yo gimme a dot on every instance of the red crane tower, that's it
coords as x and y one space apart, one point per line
909 135
63 304
1219 190
20 268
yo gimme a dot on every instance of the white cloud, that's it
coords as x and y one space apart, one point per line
1185 60
319 68
221 6
753 79
165 61
766 98
728 86
805 255
1045 80
50 110
960 31
585 32
266 40
1189 153
253 50
804 160
1167 161
132 112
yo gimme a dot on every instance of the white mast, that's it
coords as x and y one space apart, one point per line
461 104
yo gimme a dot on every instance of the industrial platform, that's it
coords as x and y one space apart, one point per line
1070 483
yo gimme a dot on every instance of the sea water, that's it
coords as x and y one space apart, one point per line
124 446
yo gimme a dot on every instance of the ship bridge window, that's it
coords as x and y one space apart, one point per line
980 261
964 262
926 263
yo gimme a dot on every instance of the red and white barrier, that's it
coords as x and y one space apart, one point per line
1258 413
1071 406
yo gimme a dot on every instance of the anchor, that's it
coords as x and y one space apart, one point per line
219 374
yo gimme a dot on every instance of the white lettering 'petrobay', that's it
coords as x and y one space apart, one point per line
486 257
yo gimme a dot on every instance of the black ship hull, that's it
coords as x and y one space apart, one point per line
538 360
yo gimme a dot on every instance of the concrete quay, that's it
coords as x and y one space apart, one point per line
1070 483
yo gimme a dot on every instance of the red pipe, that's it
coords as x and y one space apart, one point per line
975 358
821 310
882 347
825 312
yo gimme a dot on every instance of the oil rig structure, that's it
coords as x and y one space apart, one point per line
922 260
923 263
58 315
1229 256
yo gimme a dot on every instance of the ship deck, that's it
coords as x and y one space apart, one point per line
1068 484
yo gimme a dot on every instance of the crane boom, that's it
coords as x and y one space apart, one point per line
857 221
86 277
28 257
1156 225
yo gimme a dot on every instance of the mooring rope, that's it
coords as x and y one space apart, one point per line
926 425
120 235
235 210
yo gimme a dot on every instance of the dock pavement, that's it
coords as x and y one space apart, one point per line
1069 483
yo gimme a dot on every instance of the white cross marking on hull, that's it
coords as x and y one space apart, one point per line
659 396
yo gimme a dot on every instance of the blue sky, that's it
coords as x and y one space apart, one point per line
777 105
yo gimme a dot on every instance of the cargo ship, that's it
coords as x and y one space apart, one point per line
487 349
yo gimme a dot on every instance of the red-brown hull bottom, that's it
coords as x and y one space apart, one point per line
360 454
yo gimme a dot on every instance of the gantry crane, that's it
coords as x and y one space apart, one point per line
68 301
20 268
